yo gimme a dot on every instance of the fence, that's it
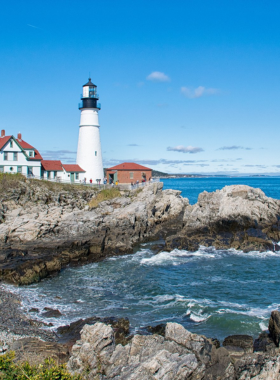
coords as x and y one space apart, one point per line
125 186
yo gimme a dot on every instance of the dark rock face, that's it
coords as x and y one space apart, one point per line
274 327
264 343
51 313
242 341
158 329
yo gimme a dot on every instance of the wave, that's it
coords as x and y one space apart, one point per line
177 257
198 318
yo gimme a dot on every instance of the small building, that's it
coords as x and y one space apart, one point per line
128 172
17 156
55 169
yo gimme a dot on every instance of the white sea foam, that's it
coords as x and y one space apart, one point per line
263 326
175 257
198 318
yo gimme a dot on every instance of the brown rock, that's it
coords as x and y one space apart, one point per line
274 326
36 351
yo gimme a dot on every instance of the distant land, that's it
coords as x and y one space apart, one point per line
156 173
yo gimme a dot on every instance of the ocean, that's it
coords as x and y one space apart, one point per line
211 292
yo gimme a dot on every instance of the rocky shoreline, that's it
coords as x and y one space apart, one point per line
44 229
105 349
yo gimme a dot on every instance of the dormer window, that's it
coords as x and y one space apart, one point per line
11 143
31 154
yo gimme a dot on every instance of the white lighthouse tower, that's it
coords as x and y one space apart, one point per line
89 155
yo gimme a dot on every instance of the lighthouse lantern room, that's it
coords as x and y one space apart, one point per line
89 155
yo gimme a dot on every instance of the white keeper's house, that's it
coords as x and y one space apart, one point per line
17 156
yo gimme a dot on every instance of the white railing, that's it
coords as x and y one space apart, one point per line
100 186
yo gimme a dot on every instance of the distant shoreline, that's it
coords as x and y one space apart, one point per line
177 176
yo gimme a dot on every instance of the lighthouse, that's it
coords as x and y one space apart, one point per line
89 155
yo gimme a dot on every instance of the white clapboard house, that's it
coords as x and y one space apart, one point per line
17 156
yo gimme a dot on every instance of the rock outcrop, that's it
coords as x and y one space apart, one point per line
178 355
238 216
45 227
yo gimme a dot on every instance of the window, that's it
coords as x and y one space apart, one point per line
48 175
1 169
54 174
76 176
19 169
5 156
15 156
96 153
11 143
31 154
131 175
29 170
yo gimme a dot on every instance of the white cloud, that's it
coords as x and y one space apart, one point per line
157 76
185 149
198 92
234 147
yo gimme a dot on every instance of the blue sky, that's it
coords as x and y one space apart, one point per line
185 86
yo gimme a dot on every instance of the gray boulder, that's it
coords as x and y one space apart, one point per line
237 216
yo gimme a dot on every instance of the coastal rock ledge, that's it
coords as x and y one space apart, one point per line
237 216
178 355
44 226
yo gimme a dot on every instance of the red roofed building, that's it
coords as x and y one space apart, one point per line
17 156
128 172
55 169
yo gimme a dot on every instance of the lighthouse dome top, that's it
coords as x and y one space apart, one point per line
89 83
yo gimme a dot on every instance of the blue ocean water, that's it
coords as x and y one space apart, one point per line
212 292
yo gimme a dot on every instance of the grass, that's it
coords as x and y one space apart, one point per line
136 192
104 195
49 370
10 181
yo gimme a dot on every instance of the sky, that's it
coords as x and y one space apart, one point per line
186 86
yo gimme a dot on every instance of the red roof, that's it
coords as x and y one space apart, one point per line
73 168
24 144
4 140
129 166
37 156
54 165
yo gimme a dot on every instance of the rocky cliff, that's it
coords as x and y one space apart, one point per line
178 354
238 216
47 226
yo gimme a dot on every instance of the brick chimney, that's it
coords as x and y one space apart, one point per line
19 136
3 133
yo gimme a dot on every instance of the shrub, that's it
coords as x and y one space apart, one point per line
104 195
49 370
